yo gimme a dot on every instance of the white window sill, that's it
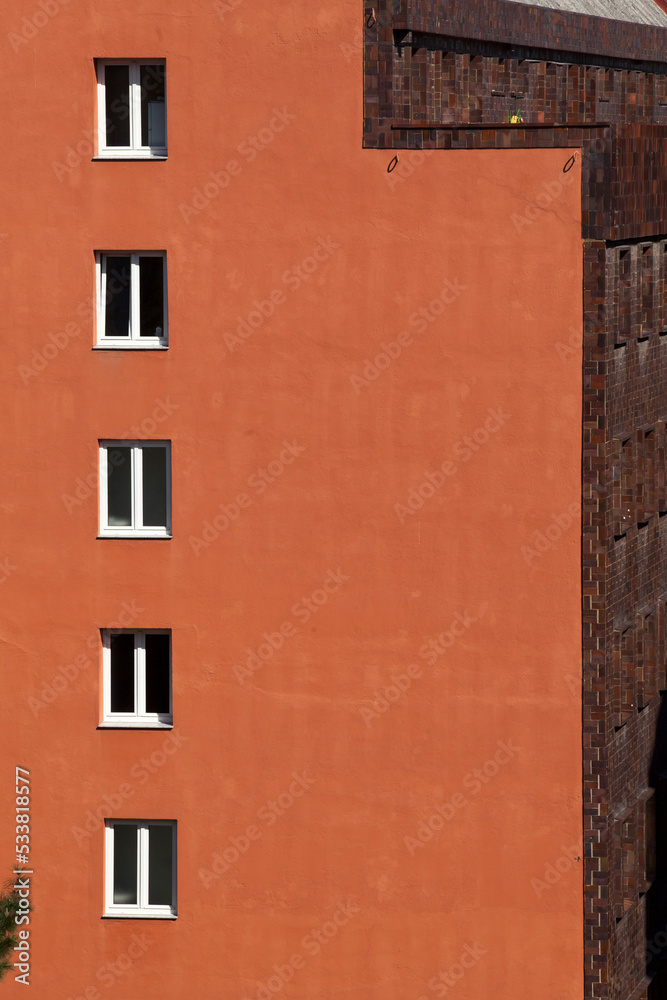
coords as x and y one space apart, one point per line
139 915
134 724
135 534
133 345
130 154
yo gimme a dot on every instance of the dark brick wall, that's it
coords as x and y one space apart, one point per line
624 603
601 87
481 62
445 80
499 21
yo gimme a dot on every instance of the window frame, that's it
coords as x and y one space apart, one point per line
135 151
142 908
134 341
137 529
138 719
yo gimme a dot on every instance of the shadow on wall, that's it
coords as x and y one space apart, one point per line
656 862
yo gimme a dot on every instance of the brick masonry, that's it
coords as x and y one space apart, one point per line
448 75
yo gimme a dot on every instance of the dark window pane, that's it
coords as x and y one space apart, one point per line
125 863
119 470
117 315
155 487
117 94
153 105
151 300
159 865
157 673
122 673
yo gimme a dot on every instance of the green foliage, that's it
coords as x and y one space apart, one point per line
9 907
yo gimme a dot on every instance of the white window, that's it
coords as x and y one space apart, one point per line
136 676
140 868
132 299
135 489
131 108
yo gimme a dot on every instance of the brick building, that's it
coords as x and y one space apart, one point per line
295 568
598 86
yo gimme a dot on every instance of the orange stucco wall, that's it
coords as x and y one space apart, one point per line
490 247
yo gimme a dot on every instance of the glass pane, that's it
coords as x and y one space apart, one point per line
159 865
153 105
125 863
151 300
117 311
122 673
117 96
155 487
157 673
119 471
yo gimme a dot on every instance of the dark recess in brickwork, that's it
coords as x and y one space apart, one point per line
434 72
